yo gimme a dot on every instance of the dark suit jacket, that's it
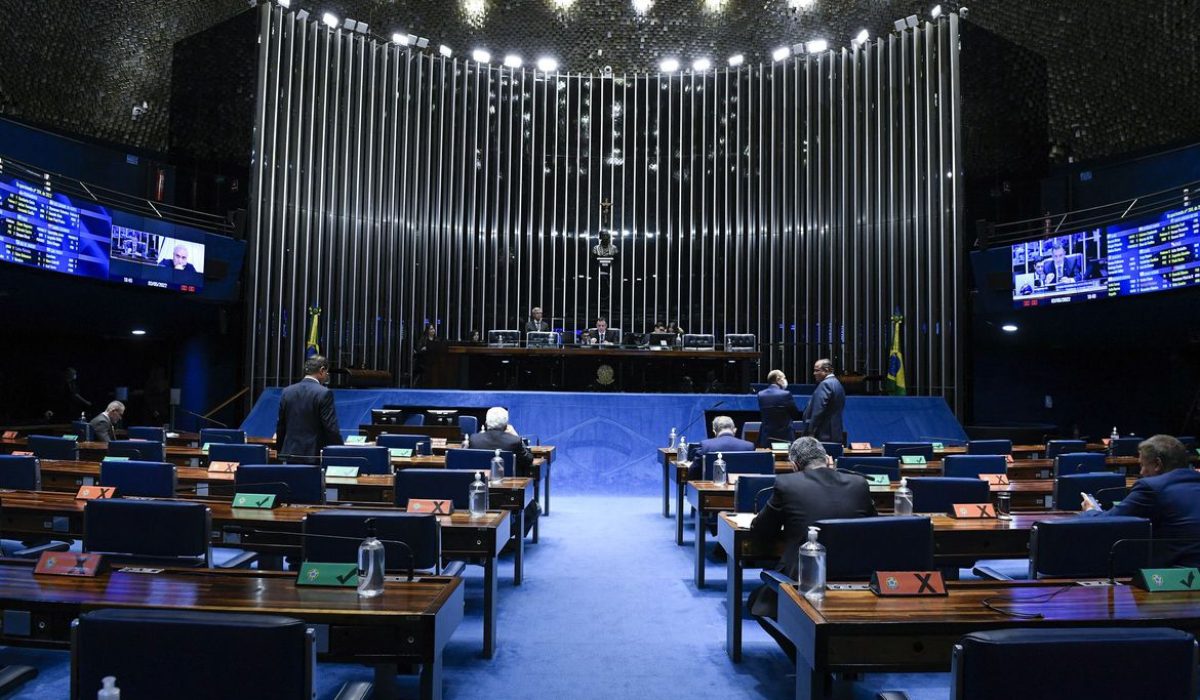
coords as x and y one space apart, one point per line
824 411
1171 502
777 408
711 446
307 419
610 336
102 429
799 500
1070 269
532 325
501 440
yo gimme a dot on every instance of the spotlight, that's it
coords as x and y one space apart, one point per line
481 56
348 24
801 4
330 20
362 28
138 331
547 64
936 11
285 4
669 65
422 42
302 15
816 46
512 61
736 60
900 25
1009 328
701 65
798 49
781 53
862 37
400 39
642 6
445 50
564 4
911 21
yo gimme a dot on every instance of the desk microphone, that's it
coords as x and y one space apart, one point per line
689 425
368 522
283 485
1110 489
205 418
1112 552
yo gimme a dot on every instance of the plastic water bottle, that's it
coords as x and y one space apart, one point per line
1112 441
719 477
681 452
903 503
370 564
671 439
109 689
477 496
497 467
812 567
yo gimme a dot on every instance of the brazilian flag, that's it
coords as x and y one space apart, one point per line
895 384
314 322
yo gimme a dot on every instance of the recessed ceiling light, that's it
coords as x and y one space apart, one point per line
1009 328
139 331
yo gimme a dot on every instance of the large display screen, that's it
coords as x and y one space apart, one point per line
51 231
1118 260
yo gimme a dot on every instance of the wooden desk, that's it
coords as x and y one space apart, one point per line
952 539
540 467
409 624
860 632
477 540
96 451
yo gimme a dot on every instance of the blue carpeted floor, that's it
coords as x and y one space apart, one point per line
607 610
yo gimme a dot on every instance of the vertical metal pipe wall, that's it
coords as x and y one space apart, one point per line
804 201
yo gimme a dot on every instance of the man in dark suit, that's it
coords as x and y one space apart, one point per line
1168 495
104 426
725 441
777 408
602 334
815 491
535 322
1060 268
823 414
307 417
498 434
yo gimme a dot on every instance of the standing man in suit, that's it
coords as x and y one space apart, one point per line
1168 495
535 323
307 417
777 408
815 491
1059 268
104 426
602 335
498 434
725 441
823 414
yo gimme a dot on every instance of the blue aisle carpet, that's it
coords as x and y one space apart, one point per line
607 610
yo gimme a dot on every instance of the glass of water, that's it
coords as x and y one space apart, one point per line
1004 505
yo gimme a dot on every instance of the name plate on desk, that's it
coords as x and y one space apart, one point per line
356 439
115 459
1173 579
222 467
70 564
430 505
91 493
877 480
938 446
21 453
907 583
437 442
71 437
264 501
860 445
343 472
400 451
995 479
9 435
975 511
205 446
1008 459
339 574
913 460
780 446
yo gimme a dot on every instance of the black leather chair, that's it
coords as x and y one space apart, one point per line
989 447
446 484
21 472
242 454
161 533
291 483
856 547
971 466
757 462
888 466
938 494
369 460
143 432
339 533
143 450
247 656
1126 446
907 449
212 436
1080 463
834 449
134 478
83 430
49 447
1104 486
406 442
1083 548
1188 441
479 460
751 492
1056 447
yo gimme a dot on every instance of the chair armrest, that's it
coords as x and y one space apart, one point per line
453 568
891 695
13 677
989 572
238 561
355 690
775 580
35 551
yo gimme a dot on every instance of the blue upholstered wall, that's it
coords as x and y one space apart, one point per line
606 442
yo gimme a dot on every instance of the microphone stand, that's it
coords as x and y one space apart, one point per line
243 530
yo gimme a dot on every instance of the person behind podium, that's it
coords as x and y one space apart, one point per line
776 408
1168 495
602 334
307 420
104 426
499 434
816 490
724 440
535 324
1060 269
823 414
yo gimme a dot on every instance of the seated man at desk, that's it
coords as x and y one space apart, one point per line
498 434
602 334
1168 495
815 491
726 440
104 426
